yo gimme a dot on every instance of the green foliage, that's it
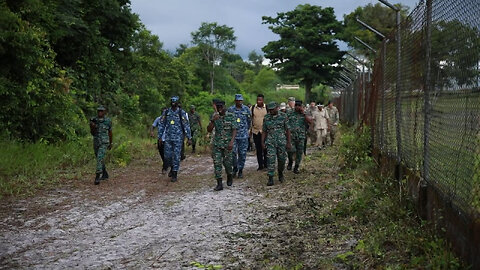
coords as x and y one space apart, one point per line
356 147
476 178
307 50
208 266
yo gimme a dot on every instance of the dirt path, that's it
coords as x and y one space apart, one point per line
138 219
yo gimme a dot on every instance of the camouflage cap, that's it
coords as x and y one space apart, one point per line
238 97
101 108
271 105
291 99
283 106
174 99
192 106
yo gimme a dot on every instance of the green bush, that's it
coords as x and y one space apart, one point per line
355 147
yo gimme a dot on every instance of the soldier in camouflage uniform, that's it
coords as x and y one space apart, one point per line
174 123
243 118
101 129
334 118
298 122
225 127
195 126
276 139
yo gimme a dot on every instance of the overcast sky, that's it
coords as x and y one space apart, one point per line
173 20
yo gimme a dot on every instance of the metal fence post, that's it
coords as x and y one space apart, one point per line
383 89
398 100
426 96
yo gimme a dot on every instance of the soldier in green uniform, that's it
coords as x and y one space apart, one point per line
195 126
298 122
222 145
101 129
276 139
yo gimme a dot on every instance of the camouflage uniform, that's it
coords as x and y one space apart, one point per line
334 118
194 119
297 126
174 135
223 127
276 141
243 118
101 141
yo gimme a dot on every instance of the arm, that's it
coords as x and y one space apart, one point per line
232 140
110 139
211 124
264 136
289 145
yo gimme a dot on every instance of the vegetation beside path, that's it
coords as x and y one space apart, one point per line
339 213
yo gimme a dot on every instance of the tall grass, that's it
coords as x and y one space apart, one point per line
27 167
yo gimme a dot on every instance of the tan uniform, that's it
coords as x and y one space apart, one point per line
321 126
312 135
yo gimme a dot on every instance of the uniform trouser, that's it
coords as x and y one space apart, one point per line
161 151
194 139
100 153
276 151
332 133
261 153
297 149
222 156
312 135
172 153
239 154
321 136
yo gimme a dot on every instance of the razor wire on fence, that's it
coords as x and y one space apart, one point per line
422 98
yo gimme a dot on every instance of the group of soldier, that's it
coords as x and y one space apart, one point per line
279 132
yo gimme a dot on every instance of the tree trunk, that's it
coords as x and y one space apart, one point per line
212 75
308 91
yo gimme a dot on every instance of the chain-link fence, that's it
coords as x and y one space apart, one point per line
422 98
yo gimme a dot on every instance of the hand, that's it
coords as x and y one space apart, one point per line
151 133
264 146
289 146
160 142
110 146
230 146
215 117
189 142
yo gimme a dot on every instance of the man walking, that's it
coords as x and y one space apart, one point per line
160 146
276 140
311 110
225 127
175 125
298 122
259 111
321 126
101 129
334 118
195 126
243 118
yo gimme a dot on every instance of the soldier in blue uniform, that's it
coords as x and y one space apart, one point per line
243 118
174 123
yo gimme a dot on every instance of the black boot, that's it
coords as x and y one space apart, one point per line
235 170
289 166
104 174
270 181
219 185
97 179
170 173
174 177
281 178
240 174
229 180
295 170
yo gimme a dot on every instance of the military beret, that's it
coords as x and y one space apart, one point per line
298 103
271 105
219 102
101 108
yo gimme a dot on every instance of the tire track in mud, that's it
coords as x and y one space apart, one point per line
145 223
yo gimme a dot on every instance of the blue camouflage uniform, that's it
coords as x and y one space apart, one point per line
170 131
243 118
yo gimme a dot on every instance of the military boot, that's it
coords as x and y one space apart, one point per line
270 181
281 178
229 180
170 173
235 170
104 174
289 166
295 170
240 174
97 179
219 185
174 177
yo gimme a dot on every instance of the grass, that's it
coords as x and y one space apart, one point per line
28 167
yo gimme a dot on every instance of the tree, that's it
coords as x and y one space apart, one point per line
256 60
214 41
379 17
307 49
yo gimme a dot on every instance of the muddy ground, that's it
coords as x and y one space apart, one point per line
138 220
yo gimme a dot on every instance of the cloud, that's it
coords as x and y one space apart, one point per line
173 20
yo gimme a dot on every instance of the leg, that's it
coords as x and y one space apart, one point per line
228 164
217 155
282 157
235 156
242 145
257 139
194 140
177 150
182 157
161 151
271 158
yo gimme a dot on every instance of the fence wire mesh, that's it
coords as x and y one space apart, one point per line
439 96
